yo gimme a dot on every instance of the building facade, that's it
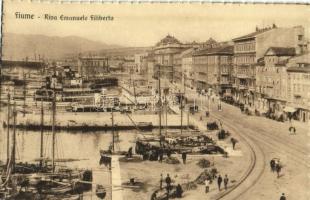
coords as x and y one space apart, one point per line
250 48
188 68
213 67
298 86
271 81
166 57
92 67
141 63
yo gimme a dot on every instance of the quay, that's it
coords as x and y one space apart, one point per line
116 179
100 121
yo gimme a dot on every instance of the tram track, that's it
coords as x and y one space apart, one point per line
266 138
259 138
268 133
253 173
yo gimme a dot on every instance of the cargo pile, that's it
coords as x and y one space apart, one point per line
204 163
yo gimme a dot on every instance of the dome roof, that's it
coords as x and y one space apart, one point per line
168 40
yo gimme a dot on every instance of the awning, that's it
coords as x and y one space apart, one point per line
289 109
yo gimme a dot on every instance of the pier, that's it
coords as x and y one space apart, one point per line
100 121
116 179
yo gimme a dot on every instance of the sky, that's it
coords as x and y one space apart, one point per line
145 24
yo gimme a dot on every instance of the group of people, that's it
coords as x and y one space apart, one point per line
220 180
152 153
275 166
168 181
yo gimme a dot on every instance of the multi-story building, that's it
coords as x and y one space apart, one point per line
188 68
165 52
248 49
298 86
177 68
212 68
141 63
271 80
93 66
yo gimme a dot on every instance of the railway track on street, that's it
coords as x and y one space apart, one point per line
253 173
260 138
266 138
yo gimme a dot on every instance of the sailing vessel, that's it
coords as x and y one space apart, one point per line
42 178
63 180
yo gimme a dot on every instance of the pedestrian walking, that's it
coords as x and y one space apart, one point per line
278 169
283 197
161 181
219 182
154 196
226 181
161 155
272 165
233 142
292 130
168 183
168 153
179 191
184 155
207 186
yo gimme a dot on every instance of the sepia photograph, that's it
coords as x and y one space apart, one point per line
154 101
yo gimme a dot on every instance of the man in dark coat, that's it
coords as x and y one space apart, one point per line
179 191
161 181
168 183
233 142
283 197
278 169
272 165
219 181
226 182
184 157
154 196
161 155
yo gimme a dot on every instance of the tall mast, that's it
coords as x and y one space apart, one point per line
53 127
41 141
14 137
181 112
8 130
24 94
134 91
182 94
166 110
160 106
113 137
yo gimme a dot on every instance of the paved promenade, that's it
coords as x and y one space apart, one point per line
117 193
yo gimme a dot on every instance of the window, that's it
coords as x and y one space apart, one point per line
300 37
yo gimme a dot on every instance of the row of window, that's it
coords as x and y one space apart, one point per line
269 69
301 88
205 59
93 63
244 59
249 46
298 76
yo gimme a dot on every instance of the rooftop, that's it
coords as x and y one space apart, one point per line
92 57
304 69
282 51
188 52
222 50
254 34
168 40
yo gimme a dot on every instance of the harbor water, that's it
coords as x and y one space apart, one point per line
81 147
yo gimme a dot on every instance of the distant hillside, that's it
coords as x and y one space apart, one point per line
123 51
20 46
